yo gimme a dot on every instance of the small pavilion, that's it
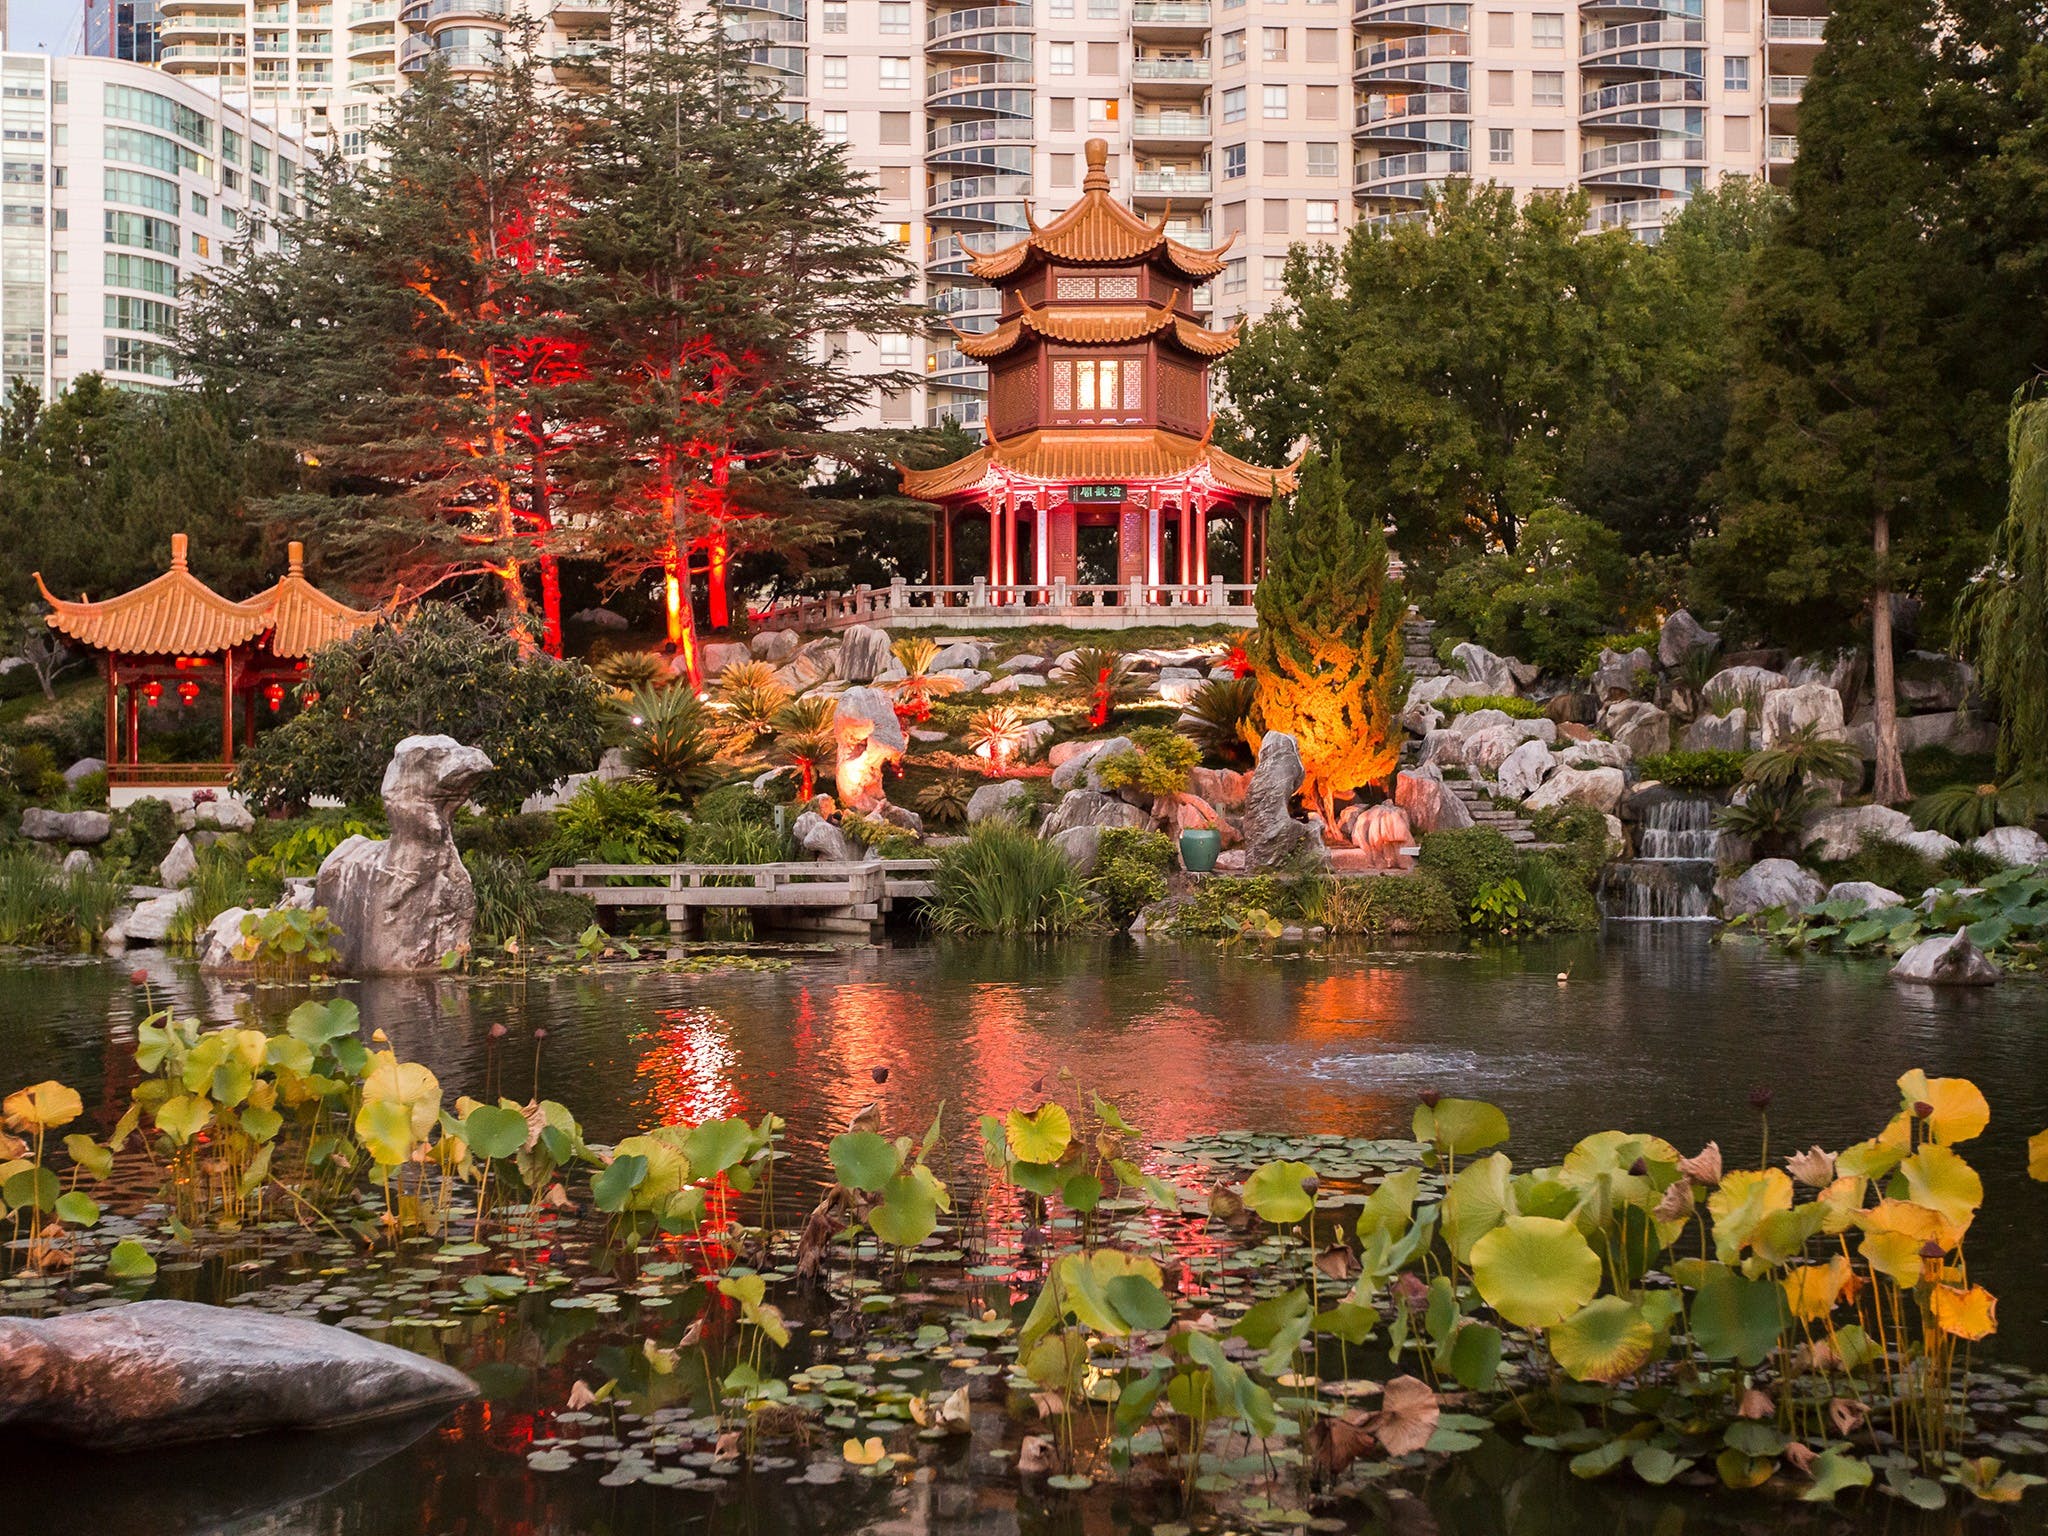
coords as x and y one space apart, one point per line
1098 412
174 633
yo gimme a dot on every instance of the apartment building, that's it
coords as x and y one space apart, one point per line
117 185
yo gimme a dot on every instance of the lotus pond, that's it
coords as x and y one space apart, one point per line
1166 1305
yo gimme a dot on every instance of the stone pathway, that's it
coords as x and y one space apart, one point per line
1418 643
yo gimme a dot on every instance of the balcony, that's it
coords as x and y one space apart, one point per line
1641 216
1171 186
201 53
360 72
1428 116
1170 74
1621 41
957 304
1682 10
584 60
1169 127
1795 29
764 29
1621 157
968 413
940 84
1434 45
951 368
1381 224
442 10
1785 90
581 13
1639 94
966 31
1409 177
1412 15
1781 148
792 8
965 189
1170 18
371 44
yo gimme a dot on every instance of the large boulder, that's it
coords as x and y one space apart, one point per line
1380 832
863 652
1223 788
822 840
1614 675
1842 671
1788 711
1429 803
1929 844
1769 883
1839 833
869 737
1601 788
150 922
1489 746
1070 759
84 768
220 946
1091 808
1873 896
1727 686
1115 747
1273 836
78 828
180 864
1960 731
1594 753
967 679
157 1373
1929 682
1493 674
775 646
2013 846
1682 638
1006 798
1017 682
1717 733
1947 960
1082 846
720 654
405 901
957 655
1641 727
219 813
1523 770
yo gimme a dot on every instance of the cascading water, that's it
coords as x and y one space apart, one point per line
1671 878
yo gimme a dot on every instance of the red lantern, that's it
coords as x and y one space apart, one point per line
152 693
188 692
273 695
311 697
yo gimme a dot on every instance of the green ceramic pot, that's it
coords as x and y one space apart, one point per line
1198 849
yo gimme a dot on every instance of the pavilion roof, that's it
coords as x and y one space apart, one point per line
1096 324
1098 229
1054 455
302 617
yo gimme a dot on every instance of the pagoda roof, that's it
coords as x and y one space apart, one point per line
1098 230
1098 323
1066 455
177 614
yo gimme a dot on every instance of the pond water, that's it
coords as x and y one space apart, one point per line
1655 1029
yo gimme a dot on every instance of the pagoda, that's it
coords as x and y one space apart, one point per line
1098 408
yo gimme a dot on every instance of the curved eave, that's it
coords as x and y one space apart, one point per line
1097 231
304 618
1098 327
175 614
1053 456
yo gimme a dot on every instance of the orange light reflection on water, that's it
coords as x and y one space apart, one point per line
690 1067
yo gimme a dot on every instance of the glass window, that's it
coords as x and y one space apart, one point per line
1098 383
1273 101
1062 10
231 146
1233 47
834 124
140 272
1546 88
1105 59
130 314
1104 10
835 74
1275 269
1273 44
1322 159
199 204
141 190
1233 276
895 351
895 74
835 16
142 232
128 354
1060 58
1233 104
1546 29
1102 109
1322 217
895 18
1500 146
1233 161
1276 216
1735 73
1322 103
140 148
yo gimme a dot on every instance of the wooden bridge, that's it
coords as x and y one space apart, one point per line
827 897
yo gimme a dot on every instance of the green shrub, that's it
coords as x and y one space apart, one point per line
733 802
1220 906
220 880
1002 880
885 838
1890 864
737 842
1131 867
1550 600
1936 767
1218 719
511 905
33 772
142 835
1382 905
88 792
288 939
1160 766
622 821
1511 705
668 742
1557 895
1969 865
521 837
1467 861
1967 811
1583 831
1707 772
42 905
943 802
300 850
1621 645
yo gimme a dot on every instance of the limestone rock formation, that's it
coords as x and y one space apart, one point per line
775 645
404 901
1429 803
2013 846
78 828
1273 836
1770 883
1523 770
1007 797
1717 733
1640 726
1947 960
822 840
1614 676
1873 896
1727 686
1600 788
1788 711
863 652
869 737
1841 832
1682 637
1091 808
720 654
1493 674
180 864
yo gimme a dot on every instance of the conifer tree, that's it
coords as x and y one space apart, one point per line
1326 655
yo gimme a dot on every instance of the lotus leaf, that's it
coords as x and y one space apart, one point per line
1741 1472
1235 1391
717 1145
384 1127
666 1173
90 1155
42 1107
1605 1340
1833 1471
318 1023
1391 1206
260 1124
1877 1157
1472 1356
1783 1235
1479 1199
1811 1290
1535 1271
863 1160
1657 1466
1349 1321
1617 1152
77 1207
1082 1193
1134 1404
495 1130
613 1186
1042 1136
1280 1192
130 1261
407 1083
30 1188
1543 1193
1139 1301
1602 1459
1057 1362
1460 1126
1080 1285
1970 1313
1986 1479
1745 1198
183 1116
1940 1180
1958 1109
908 1214
1737 1318
1840 1202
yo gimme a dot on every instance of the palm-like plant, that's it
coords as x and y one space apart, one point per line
944 801
1774 818
746 697
1802 759
668 742
1217 718
1966 811
806 737
629 670
1101 679
1000 728
920 683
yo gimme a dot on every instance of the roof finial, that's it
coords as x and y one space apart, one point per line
1097 179
178 542
295 552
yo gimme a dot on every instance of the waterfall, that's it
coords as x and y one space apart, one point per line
1671 879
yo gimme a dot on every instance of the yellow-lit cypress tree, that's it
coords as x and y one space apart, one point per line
1327 652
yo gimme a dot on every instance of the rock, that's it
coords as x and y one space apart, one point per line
2013 846
298 894
802 672
1430 805
84 768
1489 746
1493 674
1960 731
599 618
1573 707
1033 739
1594 753
822 840
1070 759
775 646
1380 832
1728 685
1929 845
179 865
220 945
1598 787
77 861
1788 711
1082 846
1223 788
1614 677
926 736
1177 685
961 654
1928 681
863 651
1063 752
157 1373
1839 833
1024 661
1445 685
1091 808
1873 896
223 813
1003 799
1717 733
1947 960
404 901
1842 672
150 922
79 828
1682 637
1272 834
720 654
1640 727
968 678
1617 837
875 707
1572 730
1525 768
1769 883
1191 813
1115 747
869 738
1014 682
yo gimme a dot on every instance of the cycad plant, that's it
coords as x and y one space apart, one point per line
944 801
668 742
630 670
805 739
1100 678
1218 719
1966 811
1783 789
999 728
745 698
920 683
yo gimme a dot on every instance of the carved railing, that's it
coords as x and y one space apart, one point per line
1050 602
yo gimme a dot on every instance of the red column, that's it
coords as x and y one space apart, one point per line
946 520
1201 544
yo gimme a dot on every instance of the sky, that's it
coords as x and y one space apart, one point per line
42 24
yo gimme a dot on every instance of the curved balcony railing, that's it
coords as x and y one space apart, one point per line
771 7
583 12
368 15
970 413
1785 89
1004 215
977 130
1190 70
1172 184
766 29
1643 93
1430 15
955 369
1384 110
1639 214
1169 126
581 58
194 53
981 159
982 18
1679 10
1191 15
970 77
1387 223
790 62
954 303
1434 45
963 189
1641 34
1642 152
372 44
1781 148
1410 176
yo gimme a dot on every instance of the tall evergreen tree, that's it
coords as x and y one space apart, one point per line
1883 338
1326 655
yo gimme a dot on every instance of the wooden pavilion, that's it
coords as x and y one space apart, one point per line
175 633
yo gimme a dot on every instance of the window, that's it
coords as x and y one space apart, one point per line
1063 170
1548 146
835 74
1500 87
1233 104
1546 88
1063 10
201 246
1101 109
1273 44
140 272
127 354
142 232
139 148
152 315
1276 216
1104 10
1739 141
1500 146
231 146
1735 16
141 190
1273 101
895 74
895 405
1060 57
895 351
1735 73
199 204
1322 103
835 16
1500 29
1233 218
834 124
1233 48
895 182
1274 161
895 127
134 106
1063 114
1274 274
1104 58
1322 45
259 160
1322 217
1233 161
1322 159
1546 29
895 18
1098 384
1233 276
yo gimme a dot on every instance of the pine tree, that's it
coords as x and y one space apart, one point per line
1326 655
